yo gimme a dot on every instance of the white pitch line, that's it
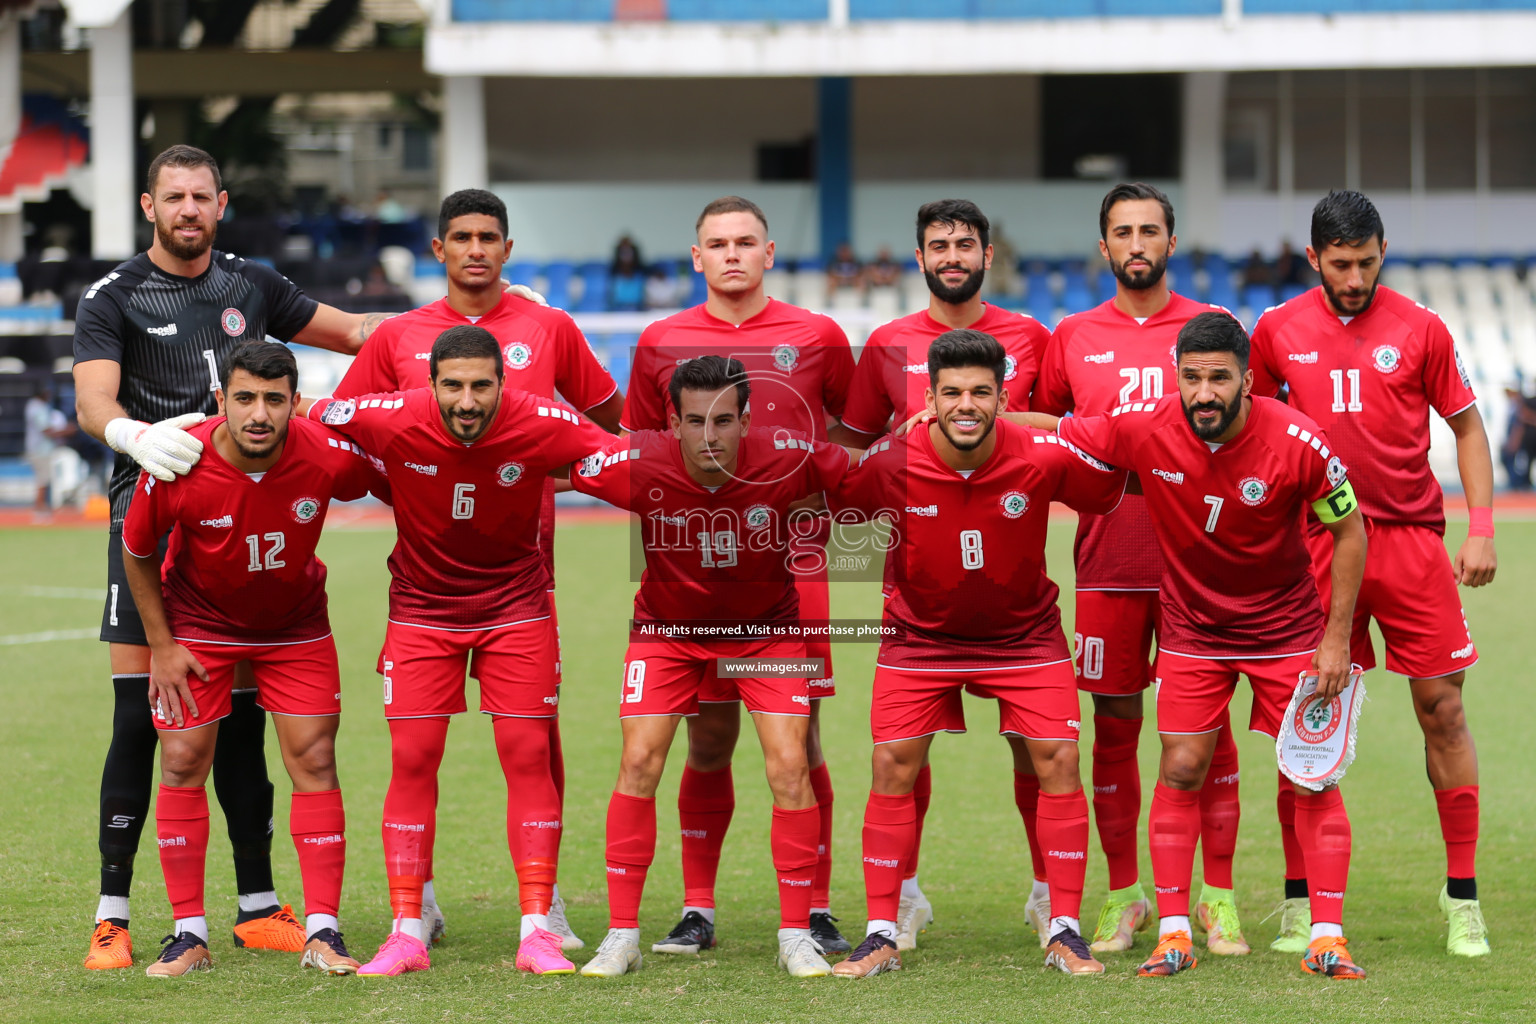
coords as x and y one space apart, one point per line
47 636
83 593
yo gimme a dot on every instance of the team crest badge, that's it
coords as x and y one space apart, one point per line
518 355
1010 368
786 357
1015 504
305 509
758 516
510 473
233 322
1336 472
1253 491
591 465
339 413
1316 720
1387 358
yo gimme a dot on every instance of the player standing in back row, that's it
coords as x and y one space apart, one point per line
799 364
1368 364
890 382
150 338
543 352
1122 351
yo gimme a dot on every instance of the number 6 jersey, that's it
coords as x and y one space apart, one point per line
241 565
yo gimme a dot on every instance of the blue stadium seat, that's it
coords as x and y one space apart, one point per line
1076 296
1221 292
594 292
1040 304
557 283
1291 291
1258 297
522 272
698 290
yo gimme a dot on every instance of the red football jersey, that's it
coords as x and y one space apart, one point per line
241 565
1096 361
467 553
1237 581
715 555
892 374
1371 384
543 350
965 572
799 363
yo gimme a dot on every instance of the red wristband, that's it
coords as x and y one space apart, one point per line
1481 524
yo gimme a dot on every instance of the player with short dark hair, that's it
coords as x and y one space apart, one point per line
972 610
714 501
1369 365
954 253
150 338
467 459
1227 478
1122 351
799 364
242 585
543 352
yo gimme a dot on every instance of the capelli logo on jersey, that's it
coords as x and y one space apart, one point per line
168 331
1225 780
931 511
423 470
400 826
1328 894
222 523
423 356
1100 357
796 883
1465 652
915 368
1302 357
883 862
1171 477
801 699
323 840
1067 854
541 824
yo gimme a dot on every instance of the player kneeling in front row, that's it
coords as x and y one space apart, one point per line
242 584
714 505
972 610
1228 478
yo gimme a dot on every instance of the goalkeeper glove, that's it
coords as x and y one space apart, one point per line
164 449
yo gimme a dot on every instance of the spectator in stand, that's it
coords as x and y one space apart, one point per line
1519 449
46 429
1291 269
1256 271
661 289
626 277
844 271
884 272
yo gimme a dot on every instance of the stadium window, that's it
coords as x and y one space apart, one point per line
1450 129
1512 127
1249 145
415 148
1385 130
1319 123
786 161
1133 117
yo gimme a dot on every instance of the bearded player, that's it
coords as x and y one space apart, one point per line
544 354
242 585
1227 479
972 611
714 501
468 591
954 252
1369 365
799 364
1118 352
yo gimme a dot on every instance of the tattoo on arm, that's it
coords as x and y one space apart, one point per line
370 323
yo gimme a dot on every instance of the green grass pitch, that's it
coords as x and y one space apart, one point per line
978 962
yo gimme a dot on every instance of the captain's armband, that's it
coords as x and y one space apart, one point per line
1336 504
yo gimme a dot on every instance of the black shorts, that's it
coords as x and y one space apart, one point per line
120 622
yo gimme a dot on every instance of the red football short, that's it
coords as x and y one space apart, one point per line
814 604
1410 590
423 670
291 679
670 678
1038 702
1193 693
1112 640
554 620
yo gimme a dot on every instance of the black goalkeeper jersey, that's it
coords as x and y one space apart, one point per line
170 335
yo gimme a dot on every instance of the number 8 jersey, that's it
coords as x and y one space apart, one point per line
965 582
241 565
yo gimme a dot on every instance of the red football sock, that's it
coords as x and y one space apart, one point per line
533 808
631 848
705 803
557 759
319 828
1117 795
890 830
410 808
1458 825
1173 829
792 840
821 788
1064 836
1322 825
922 793
181 825
1220 812
1285 810
1026 795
